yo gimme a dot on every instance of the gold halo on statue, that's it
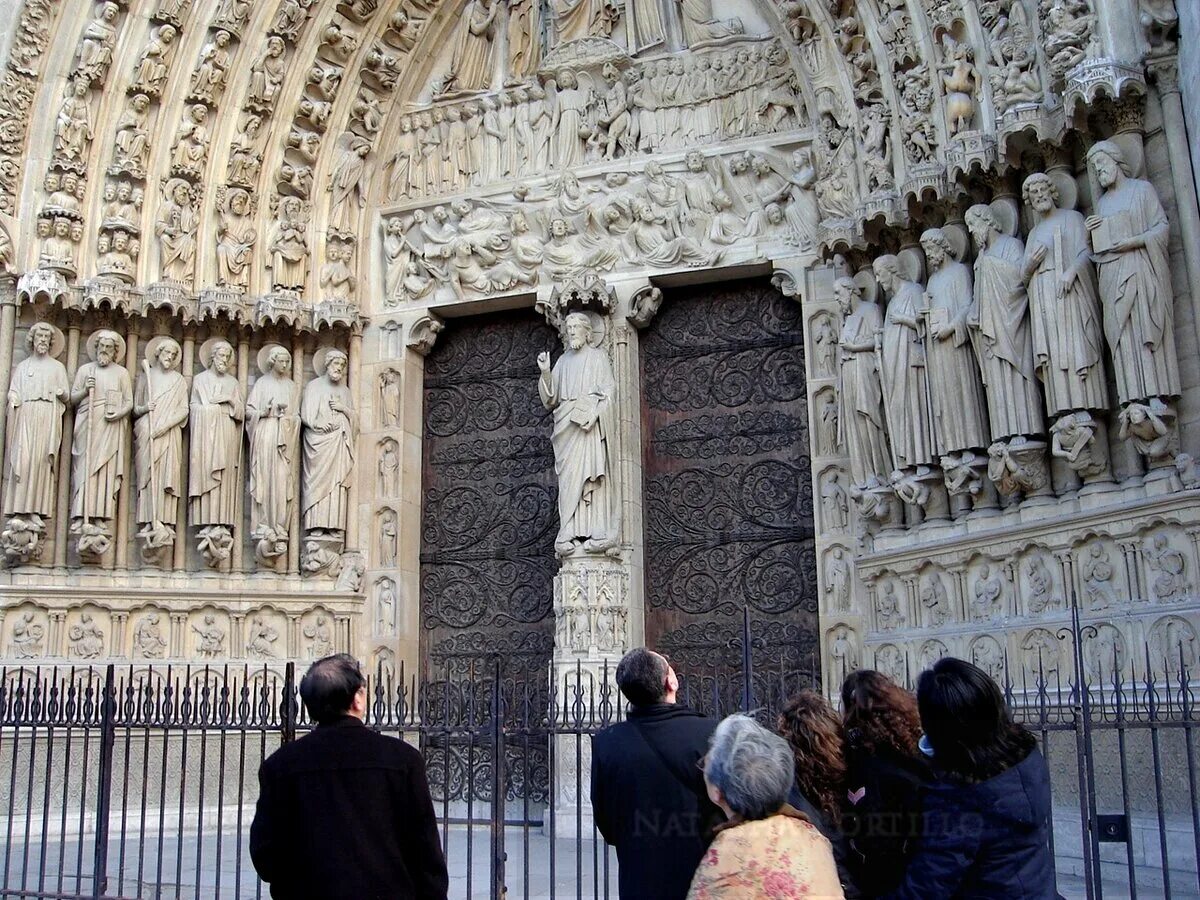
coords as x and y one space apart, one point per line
207 348
156 343
58 340
321 358
93 339
264 356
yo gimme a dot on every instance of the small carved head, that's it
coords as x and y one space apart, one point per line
1108 163
981 222
1040 192
281 361
222 357
578 328
336 363
936 246
41 335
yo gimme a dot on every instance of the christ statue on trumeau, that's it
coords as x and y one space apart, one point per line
579 391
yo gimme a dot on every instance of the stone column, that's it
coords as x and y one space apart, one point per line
62 510
238 558
420 330
1165 72
354 379
293 551
120 558
187 365
8 329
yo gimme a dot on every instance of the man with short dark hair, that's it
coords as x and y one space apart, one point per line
648 793
345 812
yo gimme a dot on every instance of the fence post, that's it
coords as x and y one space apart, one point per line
104 776
499 857
288 708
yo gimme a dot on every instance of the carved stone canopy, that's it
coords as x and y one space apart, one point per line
586 292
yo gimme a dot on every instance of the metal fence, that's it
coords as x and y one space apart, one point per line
140 782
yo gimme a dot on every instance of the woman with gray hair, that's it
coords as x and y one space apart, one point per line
767 848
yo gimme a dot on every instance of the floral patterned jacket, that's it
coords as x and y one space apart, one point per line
782 857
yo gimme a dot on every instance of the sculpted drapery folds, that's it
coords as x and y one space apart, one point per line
574 19
1129 234
646 24
160 409
176 231
579 391
903 370
273 423
524 39
1063 306
330 431
861 420
103 398
289 246
471 67
956 391
236 236
37 396
217 411
1004 343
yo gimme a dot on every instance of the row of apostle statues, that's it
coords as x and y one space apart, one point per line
961 386
306 436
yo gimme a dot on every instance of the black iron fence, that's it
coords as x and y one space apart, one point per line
128 782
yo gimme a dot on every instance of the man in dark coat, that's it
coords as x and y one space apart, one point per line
345 812
648 793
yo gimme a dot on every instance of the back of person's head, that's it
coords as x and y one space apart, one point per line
329 686
750 766
877 713
642 676
814 732
972 733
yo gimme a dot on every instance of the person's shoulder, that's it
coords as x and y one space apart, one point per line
394 748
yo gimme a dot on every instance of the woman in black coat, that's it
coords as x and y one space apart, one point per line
986 817
885 774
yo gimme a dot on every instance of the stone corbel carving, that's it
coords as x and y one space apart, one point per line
1018 468
644 305
423 332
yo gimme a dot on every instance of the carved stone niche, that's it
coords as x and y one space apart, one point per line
835 502
1041 654
208 635
891 604
937 603
88 633
1105 653
843 651
989 589
1100 573
986 652
26 633
928 652
591 610
1040 577
892 661
149 634
839 579
1173 646
318 634
1168 574
264 636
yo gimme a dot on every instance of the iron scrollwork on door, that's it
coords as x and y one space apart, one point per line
487 548
728 505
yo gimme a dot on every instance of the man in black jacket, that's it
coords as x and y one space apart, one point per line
345 812
648 793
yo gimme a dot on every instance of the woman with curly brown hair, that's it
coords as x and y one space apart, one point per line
884 777
814 733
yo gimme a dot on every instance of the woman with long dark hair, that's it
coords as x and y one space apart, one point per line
814 733
987 815
885 773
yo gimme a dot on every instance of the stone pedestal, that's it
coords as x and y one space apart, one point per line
591 634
